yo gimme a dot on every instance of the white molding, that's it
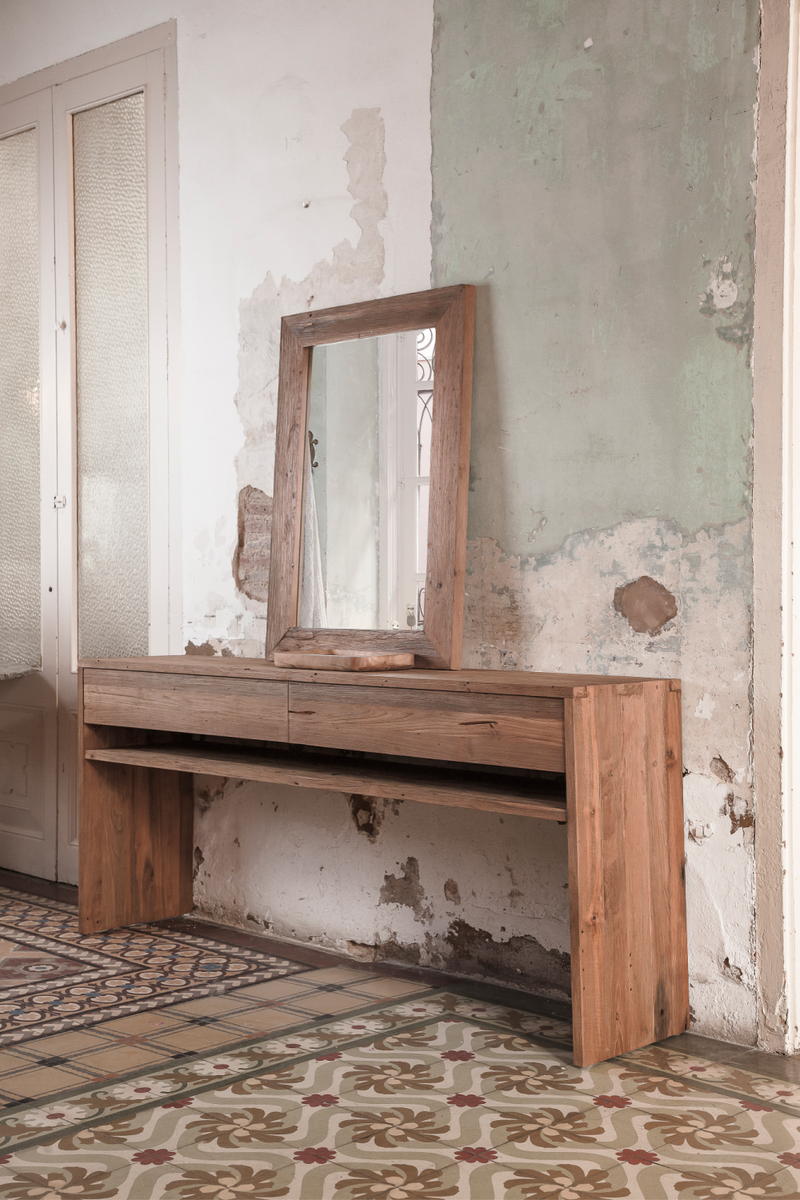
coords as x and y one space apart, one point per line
155 38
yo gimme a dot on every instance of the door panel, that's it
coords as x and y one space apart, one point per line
28 526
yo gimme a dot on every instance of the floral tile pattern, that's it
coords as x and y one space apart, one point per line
432 1097
53 978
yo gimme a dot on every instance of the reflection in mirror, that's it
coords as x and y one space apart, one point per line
367 483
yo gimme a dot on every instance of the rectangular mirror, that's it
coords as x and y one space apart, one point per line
371 477
367 483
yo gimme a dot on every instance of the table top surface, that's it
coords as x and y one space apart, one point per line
508 682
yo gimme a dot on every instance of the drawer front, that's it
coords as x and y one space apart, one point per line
247 708
511 731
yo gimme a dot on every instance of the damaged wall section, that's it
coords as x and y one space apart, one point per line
610 518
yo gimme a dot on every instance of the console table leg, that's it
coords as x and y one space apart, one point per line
136 845
627 901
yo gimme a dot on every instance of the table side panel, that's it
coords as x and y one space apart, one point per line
135 836
247 708
511 731
627 906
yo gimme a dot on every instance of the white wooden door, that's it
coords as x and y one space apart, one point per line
97 582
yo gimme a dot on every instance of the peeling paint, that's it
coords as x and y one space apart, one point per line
406 889
204 649
367 813
451 892
741 815
477 952
198 860
251 557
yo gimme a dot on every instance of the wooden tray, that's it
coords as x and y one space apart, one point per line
329 660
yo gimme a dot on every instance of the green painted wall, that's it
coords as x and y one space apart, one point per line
592 193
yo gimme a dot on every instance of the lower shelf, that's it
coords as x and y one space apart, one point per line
394 781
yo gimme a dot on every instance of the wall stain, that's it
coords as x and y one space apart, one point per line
205 796
646 605
199 859
251 557
741 816
722 298
722 771
407 890
451 891
367 813
212 648
205 649
521 960
733 972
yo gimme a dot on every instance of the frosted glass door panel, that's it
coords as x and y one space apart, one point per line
112 378
20 513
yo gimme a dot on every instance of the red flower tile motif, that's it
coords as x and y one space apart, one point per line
462 1101
476 1154
54 1116
637 1158
184 1103
312 1155
784 1093
153 1158
5 1158
788 1159
328 1057
611 1101
457 1055
320 1100
755 1107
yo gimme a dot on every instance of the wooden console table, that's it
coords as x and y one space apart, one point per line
602 753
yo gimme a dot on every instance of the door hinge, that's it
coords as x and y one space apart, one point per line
59 501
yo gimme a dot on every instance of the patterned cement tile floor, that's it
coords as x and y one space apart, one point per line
374 1087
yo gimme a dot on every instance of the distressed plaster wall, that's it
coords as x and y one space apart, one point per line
593 174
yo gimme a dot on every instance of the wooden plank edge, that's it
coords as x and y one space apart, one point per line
453 796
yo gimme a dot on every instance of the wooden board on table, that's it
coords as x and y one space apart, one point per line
329 660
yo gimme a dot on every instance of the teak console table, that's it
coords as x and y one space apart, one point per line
602 753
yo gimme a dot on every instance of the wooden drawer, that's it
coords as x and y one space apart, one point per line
511 731
248 708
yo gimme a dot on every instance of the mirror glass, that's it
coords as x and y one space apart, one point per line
367 482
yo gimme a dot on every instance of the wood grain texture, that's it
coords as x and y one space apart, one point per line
371 318
627 922
449 490
135 836
451 311
285 538
508 731
253 708
477 682
329 660
379 641
457 789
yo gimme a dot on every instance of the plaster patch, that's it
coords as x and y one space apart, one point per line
705 707
251 557
646 605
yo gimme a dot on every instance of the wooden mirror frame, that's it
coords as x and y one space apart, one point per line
451 311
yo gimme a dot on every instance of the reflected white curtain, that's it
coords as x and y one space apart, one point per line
313 614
